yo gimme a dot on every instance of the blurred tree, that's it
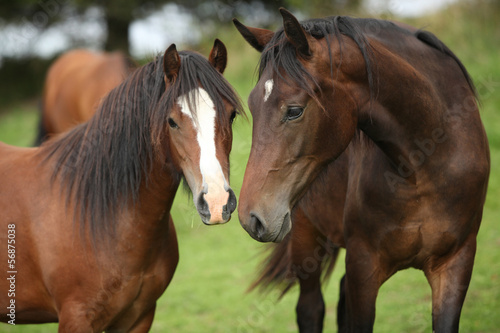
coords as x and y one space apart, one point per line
119 14
11 10
225 10
41 14
20 11
30 18
322 8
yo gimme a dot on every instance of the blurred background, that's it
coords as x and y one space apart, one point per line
217 264
34 32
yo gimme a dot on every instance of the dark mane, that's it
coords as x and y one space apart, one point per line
431 40
281 55
101 164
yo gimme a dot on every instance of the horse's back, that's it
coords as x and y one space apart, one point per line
76 83
14 161
59 79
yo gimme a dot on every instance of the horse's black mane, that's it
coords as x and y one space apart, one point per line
431 40
281 55
101 164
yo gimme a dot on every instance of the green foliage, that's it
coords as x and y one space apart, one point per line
321 8
21 79
13 10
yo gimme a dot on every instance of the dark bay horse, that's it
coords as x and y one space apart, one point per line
418 159
86 216
308 253
75 84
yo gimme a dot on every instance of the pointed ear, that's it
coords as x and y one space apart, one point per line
295 33
218 56
256 37
171 64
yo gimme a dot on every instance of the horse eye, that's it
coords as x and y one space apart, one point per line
233 115
172 123
294 112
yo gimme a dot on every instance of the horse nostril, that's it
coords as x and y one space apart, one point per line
230 206
202 206
257 227
231 203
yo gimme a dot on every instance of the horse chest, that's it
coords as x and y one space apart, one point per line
406 230
129 294
407 226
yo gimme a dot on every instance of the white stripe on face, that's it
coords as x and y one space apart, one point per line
269 89
215 185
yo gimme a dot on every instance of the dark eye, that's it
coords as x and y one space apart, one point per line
294 112
172 123
233 115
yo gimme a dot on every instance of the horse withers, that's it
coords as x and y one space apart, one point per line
418 164
92 241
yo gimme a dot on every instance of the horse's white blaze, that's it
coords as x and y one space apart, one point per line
214 185
268 86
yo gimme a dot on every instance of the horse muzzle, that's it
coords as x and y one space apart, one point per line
264 230
216 209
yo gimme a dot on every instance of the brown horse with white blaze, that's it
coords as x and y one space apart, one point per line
94 243
75 84
418 158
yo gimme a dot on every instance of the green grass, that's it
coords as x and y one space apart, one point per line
218 263
18 127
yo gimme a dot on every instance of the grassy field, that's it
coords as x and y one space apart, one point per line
217 264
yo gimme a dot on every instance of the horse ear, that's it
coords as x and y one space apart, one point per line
171 64
295 33
257 38
218 56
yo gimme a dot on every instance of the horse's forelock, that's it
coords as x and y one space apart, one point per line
281 56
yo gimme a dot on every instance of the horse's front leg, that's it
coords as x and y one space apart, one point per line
310 249
363 279
449 281
311 306
144 323
76 317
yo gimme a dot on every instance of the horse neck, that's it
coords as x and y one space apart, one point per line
157 194
145 229
410 114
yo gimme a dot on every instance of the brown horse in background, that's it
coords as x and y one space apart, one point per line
91 241
418 158
75 84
